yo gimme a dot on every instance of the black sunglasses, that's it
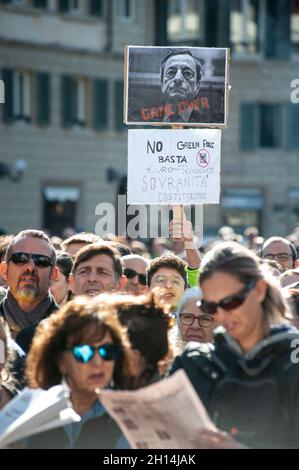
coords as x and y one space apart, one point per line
41 261
84 353
131 273
229 303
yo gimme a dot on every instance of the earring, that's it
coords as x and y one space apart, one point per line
1 375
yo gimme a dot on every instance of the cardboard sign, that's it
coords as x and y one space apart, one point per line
176 85
174 167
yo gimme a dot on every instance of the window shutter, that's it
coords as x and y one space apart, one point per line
283 44
95 7
210 21
161 22
7 76
249 123
67 101
119 93
223 23
292 126
277 31
63 6
40 3
270 125
100 104
43 96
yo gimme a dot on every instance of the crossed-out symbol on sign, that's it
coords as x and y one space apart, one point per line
203 158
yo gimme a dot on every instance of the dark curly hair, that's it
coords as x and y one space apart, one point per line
148 324
83 319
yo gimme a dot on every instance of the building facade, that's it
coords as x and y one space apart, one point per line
62 64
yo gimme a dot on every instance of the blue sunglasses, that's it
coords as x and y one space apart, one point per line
84 353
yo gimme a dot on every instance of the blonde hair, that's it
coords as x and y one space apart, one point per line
233 259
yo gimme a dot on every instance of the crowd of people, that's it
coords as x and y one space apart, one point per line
112 313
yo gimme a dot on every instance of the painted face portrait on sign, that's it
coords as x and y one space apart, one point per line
180 76
176 85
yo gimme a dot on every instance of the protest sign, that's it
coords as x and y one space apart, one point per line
178 85
174 167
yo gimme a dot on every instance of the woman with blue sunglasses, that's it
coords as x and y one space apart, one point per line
85 345
249 378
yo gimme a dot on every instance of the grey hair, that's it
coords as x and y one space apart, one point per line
133 256
189 294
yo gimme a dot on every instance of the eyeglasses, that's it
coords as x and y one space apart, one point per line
174 281
229 303
131 273
203 320
41 261
84 353
279 256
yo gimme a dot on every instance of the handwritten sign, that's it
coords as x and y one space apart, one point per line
174 166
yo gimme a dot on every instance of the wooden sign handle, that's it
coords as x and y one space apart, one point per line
178 211
178 218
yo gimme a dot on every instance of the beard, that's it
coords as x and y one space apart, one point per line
27 293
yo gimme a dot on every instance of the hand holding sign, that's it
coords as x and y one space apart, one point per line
181 229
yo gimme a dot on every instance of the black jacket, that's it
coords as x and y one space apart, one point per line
255 394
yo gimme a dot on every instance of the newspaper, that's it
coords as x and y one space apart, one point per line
164 415
33 411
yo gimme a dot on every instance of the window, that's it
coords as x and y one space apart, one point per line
245 25
74 101
60 205
84 102
40 3
18 95
95 7
74 7
22 96
27 96
119 108
43 99
100 104
183 21
295 26
242 207
270 125
126 9
15 2
262 125
70 6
